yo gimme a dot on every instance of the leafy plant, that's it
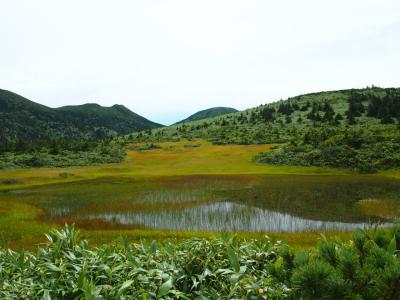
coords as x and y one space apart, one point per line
225 268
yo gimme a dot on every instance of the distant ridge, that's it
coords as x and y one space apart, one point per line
208 113
22 119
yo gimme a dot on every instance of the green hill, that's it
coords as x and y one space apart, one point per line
356 128
22 119
117 118
208 113
279 121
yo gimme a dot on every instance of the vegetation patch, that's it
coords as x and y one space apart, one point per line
24 120
65 175
388 209
192 145
181 172
357 129
357 148
367 267
175 203
282 121
9 181
144 147
62 154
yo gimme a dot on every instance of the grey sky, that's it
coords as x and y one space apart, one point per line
167 59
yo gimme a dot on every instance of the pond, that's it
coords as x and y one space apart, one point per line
250 203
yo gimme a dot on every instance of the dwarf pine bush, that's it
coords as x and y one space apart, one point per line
224 268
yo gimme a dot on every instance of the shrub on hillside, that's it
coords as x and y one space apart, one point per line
46 157
351 148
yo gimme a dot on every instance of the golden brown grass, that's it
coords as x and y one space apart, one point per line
172 159
384 208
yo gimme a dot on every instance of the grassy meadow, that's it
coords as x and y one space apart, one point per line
180 175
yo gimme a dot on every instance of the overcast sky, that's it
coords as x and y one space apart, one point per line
168 59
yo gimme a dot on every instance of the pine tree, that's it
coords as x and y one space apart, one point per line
268 114
299 120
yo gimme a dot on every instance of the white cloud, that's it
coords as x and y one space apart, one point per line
166 59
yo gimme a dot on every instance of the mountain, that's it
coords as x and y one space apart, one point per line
117 117
208 113
22 119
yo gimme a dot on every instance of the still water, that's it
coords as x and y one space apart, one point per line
227 216
251 203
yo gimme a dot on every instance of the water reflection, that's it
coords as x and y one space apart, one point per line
287 203
226 216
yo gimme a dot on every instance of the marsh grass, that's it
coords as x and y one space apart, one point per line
175 177
137 204
387 209
65 175
172 159
9 181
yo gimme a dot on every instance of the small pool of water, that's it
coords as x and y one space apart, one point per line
226 216
250 203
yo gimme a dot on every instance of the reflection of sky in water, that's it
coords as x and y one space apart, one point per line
60 211
227 216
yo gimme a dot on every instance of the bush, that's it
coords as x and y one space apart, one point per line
79 155
354 149
65 175
367 267
196 268
145 147
9 181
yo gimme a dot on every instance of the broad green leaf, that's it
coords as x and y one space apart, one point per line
53 267
278 263
233 259
46 295
234 278
124 286
392 246
243 269
165 288
153 247
224 271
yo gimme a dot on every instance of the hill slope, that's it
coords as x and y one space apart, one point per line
357 128
117 117
280 121
208 113
22 119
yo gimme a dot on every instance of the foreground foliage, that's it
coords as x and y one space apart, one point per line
367 267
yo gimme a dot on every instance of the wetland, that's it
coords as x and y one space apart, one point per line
251 199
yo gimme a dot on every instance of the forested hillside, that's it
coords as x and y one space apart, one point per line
22 120
208 113
357 128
